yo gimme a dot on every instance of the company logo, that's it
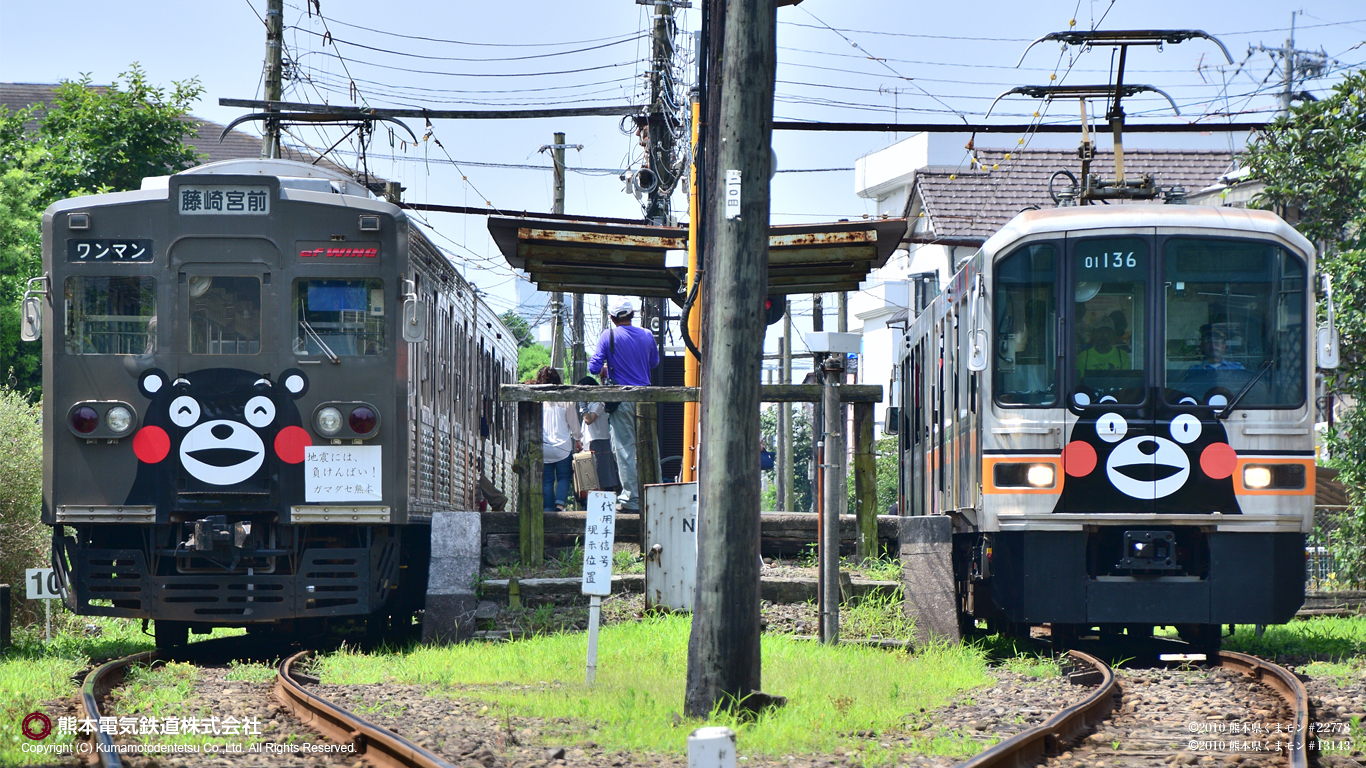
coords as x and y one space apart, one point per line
340 253
37 726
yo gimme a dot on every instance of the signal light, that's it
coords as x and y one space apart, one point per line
363 420
774 309
84 419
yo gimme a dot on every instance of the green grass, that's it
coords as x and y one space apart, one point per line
1343 673
250 672
1032 666
833 692
876 615
1322 638
884 568
157 689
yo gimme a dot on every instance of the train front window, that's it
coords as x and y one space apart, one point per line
225 315
110 315
1110 281
1235 315
340 317
1026 318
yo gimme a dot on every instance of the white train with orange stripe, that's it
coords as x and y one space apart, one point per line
1114 406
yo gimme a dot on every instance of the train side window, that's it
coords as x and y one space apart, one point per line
225 315
1025 370
346 316
110 315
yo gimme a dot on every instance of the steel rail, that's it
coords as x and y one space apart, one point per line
378 746
98 683
1028 748
1289 687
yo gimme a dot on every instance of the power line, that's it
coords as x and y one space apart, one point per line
326 37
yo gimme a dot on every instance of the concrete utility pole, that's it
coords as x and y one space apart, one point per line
833 487
1296 65
787 500
661 140
723 650
274 77
557 298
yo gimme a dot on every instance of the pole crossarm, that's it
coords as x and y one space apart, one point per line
768 393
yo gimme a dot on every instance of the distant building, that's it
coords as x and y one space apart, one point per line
955 198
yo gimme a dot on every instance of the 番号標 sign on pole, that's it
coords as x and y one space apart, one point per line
598 535
42 584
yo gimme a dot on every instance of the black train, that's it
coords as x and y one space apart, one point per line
259 385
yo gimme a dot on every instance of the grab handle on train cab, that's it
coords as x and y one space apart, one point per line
977 335
31 310
1326 339
414 314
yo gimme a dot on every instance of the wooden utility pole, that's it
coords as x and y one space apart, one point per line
661 140
865 481
530 512
274 77
723 651
557 298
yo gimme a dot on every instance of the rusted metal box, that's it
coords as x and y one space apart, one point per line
670 545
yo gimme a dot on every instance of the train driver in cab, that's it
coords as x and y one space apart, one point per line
1213 345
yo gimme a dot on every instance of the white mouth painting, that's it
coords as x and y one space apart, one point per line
1148 467
222 452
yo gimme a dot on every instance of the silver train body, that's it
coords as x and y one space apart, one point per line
1114 406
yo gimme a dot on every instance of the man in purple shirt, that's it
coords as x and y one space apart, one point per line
628 354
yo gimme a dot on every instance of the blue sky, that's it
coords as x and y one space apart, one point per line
844 60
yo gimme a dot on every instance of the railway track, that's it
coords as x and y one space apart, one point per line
1140 732
1146 735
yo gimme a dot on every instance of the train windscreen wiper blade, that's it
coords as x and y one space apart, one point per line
314 335
1224 414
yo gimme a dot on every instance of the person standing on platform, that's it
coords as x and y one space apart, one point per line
598 438
560 437
625 356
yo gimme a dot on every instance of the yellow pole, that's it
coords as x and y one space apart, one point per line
691 365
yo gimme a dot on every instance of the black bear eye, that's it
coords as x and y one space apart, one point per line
260 411
184 411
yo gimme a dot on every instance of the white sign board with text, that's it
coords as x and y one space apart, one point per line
42 584
598 536
346 473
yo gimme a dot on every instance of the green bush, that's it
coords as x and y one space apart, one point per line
22 535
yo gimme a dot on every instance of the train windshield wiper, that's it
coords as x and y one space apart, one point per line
1228 409
314 335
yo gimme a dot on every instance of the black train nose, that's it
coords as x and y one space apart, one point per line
222 431
1147 447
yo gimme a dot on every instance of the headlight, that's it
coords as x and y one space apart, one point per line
1256 477
328 421
1020 474
1040 475
118 419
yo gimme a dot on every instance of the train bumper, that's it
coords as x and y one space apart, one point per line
1246 578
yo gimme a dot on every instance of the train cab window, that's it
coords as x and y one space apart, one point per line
345 317
1026 317
225 314
110 315
1235 319
1110 283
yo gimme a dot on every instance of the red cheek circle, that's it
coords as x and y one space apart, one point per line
290 444
1078 458
1218 460
151 444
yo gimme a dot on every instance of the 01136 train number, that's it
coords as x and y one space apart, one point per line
1116 260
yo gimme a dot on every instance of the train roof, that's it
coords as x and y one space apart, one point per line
1164 216
291 173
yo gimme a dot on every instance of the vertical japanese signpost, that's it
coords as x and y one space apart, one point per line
599 529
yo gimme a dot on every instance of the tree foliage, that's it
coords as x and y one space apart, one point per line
530 359
519 327
21 464
89 139
1314 160
801 457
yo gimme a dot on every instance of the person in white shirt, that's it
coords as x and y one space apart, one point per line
560 437
598 434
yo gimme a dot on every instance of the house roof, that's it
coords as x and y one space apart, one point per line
234 146
967 206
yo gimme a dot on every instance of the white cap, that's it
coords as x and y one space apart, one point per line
621 306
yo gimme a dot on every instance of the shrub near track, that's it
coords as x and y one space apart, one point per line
23 539
833 692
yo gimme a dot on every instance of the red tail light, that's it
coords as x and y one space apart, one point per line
363 420
84 419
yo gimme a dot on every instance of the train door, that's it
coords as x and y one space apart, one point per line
1113 461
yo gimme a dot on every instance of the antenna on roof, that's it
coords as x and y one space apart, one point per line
1091 186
